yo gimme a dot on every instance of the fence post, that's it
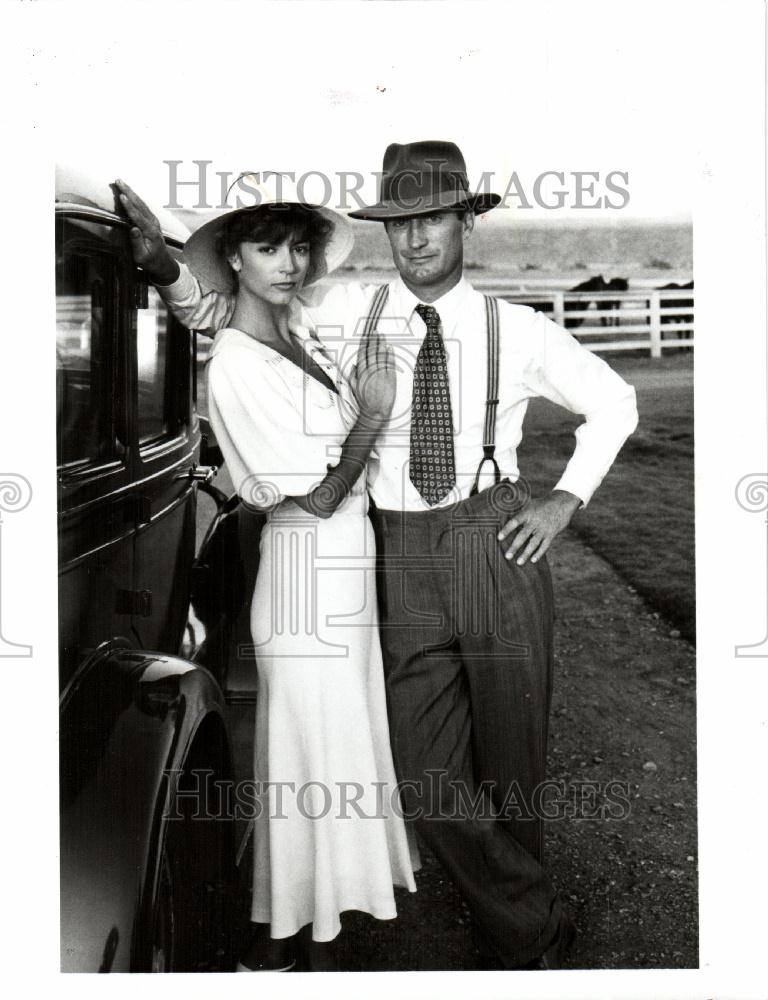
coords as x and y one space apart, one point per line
559 307
655 318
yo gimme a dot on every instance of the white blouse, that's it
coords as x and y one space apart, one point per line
279 429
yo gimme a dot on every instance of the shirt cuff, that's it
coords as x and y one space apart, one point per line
572 482
181 289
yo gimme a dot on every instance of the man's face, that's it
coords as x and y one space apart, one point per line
429 249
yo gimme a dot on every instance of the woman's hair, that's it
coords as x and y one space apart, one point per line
273 224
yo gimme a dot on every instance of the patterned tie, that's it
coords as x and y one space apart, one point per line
433 468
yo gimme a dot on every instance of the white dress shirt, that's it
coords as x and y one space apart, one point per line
536 358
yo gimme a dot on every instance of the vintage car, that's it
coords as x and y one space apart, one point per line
146 866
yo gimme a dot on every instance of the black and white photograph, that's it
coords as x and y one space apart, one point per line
380 534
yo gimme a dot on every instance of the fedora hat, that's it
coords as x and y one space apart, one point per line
201 249
423 177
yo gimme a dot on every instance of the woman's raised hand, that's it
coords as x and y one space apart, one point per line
375 379
147 243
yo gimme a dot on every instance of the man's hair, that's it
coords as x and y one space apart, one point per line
273 224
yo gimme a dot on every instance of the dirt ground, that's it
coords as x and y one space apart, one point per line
623 711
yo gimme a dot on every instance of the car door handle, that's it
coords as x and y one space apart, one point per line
136 603
199 473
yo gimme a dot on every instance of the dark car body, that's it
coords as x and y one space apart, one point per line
140 862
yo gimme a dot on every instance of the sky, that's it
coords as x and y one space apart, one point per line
286 87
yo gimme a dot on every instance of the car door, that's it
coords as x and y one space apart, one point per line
96 518
167 440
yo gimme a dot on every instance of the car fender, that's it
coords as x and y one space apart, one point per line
128 721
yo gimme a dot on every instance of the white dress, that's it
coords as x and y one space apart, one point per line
329 836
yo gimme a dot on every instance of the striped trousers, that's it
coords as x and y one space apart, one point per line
467 643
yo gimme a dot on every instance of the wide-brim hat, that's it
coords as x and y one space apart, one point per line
418 178
201 251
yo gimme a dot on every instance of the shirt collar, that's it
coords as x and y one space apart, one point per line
303 331
448 305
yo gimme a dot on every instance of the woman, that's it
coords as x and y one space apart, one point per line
296 437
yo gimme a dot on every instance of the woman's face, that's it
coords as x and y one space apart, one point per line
273 272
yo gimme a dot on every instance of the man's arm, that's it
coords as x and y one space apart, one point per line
561 370
181 291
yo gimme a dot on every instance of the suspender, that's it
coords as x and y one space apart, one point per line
377 307
492 391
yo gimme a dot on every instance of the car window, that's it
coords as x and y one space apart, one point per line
152 364
98 304
163 361
86 311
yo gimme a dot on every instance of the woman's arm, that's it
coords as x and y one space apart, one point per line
179 288
147 243
375 391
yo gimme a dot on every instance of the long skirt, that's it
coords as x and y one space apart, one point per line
329 834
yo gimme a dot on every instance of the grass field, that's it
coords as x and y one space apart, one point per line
642 517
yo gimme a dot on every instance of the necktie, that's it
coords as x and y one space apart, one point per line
432 468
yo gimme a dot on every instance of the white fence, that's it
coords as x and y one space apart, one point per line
644 318
650 319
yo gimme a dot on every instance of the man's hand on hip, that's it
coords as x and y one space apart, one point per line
537 525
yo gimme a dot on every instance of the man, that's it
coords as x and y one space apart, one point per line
464 590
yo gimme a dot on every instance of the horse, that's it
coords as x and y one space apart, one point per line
608 308
678 318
